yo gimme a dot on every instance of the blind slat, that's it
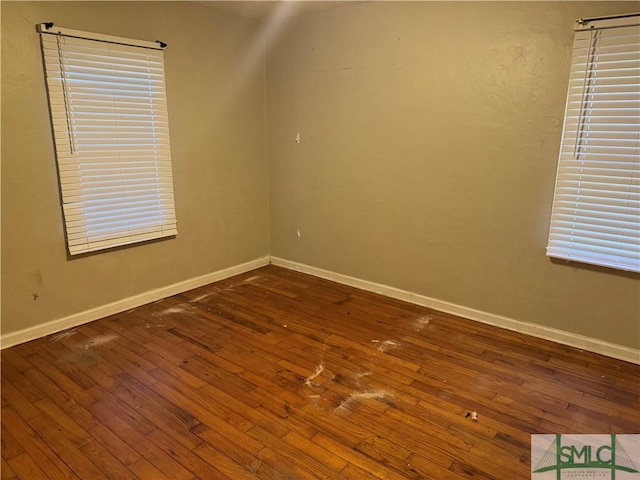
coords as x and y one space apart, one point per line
109 115
596 210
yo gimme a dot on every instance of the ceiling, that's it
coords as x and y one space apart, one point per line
266 8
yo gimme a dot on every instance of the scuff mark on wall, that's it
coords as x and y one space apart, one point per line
38 279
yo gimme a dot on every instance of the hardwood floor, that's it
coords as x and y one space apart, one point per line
279 375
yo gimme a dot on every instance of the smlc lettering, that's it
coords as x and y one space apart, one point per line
599 456
570 455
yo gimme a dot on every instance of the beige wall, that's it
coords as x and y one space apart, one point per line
429 141
215 86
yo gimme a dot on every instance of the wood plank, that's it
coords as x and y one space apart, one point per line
187 457
56 437
358 459
158 411
205 409
18 402
20 380
10 446
114 444
145 469
72 431
58 377
6 472
26 468
106 461
65 402
276 374
35 447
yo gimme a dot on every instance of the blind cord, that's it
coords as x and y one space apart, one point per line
65 95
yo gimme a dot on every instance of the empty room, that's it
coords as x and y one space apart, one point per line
320 240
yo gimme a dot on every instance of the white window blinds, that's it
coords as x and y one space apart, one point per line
109 113
596 209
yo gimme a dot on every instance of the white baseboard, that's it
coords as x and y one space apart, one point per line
37 331
559 336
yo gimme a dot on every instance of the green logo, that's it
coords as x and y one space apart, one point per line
590 455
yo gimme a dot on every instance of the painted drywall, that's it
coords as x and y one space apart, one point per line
429 136
215 87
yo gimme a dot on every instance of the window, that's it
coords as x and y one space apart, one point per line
111 133
596 209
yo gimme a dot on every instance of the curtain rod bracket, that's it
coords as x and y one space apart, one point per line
162 44
48 25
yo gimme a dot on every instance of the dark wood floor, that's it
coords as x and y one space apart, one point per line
278 375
